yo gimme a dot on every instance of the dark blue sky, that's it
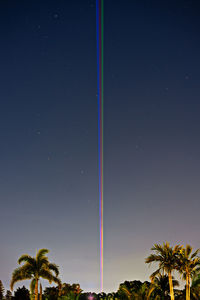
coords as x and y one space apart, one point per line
48 134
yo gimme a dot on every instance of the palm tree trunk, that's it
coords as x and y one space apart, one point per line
148 295
36 289
188 287
40 291
171 286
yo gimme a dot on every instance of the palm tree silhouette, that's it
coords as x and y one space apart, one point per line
160 286
35 268
188 265
166 257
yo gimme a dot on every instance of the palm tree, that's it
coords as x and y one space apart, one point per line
142 292
124 292
160 286
2 290
40 291
195 287
188 265
166 257
35 268
139 293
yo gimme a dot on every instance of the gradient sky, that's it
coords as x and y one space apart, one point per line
49 143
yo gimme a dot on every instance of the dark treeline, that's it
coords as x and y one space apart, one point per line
162 284
129 290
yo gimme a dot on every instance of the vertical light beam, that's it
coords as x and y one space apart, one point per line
99 26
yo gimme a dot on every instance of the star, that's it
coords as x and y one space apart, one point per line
55 16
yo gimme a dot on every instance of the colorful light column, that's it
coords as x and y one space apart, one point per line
99 26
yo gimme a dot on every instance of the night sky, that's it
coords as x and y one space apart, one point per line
49 135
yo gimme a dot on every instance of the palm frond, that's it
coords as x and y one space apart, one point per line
43 261
41 253
151 289
126 291
195 253
154 274
152 258
158 248
18 275
27 269
188 250
54 268
27 258
46 274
